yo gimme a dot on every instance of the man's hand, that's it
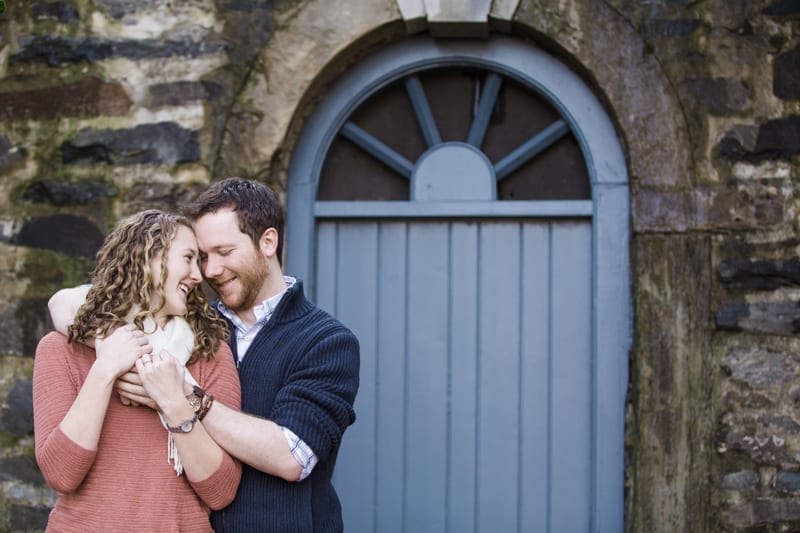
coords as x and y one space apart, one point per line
131 391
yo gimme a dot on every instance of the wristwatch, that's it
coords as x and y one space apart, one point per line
184 427
200 401
195 398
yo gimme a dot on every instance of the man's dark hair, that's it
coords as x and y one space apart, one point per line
254 203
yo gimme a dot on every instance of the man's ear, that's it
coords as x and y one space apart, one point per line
268 243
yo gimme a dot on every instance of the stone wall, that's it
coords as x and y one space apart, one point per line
109 106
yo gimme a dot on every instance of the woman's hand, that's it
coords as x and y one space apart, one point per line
117 352
162 377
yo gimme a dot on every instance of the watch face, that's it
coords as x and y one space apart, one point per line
187 425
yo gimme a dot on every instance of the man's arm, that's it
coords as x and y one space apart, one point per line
256 441
331 365
64 305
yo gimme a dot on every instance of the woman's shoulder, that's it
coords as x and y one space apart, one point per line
223 358
54 339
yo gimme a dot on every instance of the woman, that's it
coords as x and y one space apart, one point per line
110 462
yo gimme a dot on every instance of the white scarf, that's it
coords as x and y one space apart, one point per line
177 338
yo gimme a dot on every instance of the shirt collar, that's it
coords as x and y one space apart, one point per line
263 310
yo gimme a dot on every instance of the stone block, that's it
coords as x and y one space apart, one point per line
458 18
59 193
786 424
760 512
60 51
787 481
16 415
720 95
738 207
744 481
119 8
758 368
28 517
759 275
782 8
88 97
775 318
746 399
655 211
156 144
182 92
63 12
25 322
776 139
677 28
786 75
63 233
21 468
761 448
10 155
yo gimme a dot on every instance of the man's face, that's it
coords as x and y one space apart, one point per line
229 260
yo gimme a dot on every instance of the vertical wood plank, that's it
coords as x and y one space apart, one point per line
572 365
356 290
391 376
463 362
325 267
535 416
498 379
426 417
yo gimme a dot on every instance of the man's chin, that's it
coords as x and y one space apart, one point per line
234 304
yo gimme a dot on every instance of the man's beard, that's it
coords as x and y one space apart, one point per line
250 283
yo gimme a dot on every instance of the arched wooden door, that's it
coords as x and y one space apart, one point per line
463 207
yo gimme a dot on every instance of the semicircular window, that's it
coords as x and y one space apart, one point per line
455 133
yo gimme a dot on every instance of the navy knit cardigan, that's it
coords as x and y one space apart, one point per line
301 371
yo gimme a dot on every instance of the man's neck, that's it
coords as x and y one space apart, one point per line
271 287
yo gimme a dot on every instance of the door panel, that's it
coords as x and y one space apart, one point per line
475 373
498 384
571 386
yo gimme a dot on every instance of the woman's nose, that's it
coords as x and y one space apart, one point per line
195 274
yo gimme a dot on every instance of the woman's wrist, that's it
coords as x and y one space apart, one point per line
176 410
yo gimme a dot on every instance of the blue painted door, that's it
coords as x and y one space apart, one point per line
475 401
482 260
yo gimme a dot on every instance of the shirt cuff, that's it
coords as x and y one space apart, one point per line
301 452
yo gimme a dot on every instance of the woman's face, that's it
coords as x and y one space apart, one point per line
183 273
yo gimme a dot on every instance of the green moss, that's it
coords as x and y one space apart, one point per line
7 440
49 271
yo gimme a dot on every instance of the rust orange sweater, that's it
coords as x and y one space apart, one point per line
127 484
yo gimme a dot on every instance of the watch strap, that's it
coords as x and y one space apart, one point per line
185 426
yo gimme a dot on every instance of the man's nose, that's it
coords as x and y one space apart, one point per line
211 267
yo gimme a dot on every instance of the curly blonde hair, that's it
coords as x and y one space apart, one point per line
122 279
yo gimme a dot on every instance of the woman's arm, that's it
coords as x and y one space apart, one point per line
213 473
68 420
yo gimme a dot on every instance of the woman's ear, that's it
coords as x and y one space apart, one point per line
268 243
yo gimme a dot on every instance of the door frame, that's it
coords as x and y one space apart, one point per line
609 209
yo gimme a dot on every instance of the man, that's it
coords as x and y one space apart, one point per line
298 368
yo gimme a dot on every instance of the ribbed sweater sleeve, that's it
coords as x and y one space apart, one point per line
63 463
317 400
220 379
